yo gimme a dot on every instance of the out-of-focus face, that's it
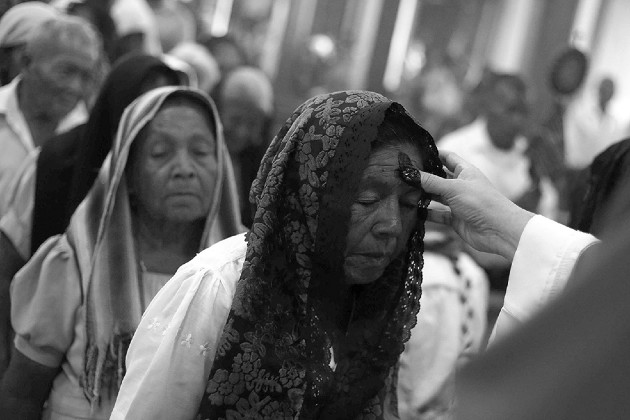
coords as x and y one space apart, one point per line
60 75
383 215
242 124
227 57
605 92
506 115
174 166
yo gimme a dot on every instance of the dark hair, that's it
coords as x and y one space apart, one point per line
398 129
513 80
557 80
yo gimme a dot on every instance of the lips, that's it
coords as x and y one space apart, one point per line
374 258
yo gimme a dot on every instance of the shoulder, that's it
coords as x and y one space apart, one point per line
465 136
61 147
221 255
211 275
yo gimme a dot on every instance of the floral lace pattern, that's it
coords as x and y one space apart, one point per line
274 357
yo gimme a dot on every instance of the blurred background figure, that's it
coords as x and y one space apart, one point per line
496 142
246 105
52 182
566 78
590 126
175 23
206 68
136 28
226 51
437 96
48 96
98 13
16 25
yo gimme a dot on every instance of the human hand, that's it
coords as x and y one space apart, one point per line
483 217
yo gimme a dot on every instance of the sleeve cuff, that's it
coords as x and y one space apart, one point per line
544 259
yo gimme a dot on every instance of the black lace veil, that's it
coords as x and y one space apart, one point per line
296 343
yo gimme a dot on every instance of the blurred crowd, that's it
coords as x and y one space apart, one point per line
542 164
103 103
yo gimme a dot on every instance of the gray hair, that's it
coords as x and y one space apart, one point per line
64 30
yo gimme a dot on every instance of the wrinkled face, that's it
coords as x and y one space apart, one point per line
506 116
174 166
242 124
383 215
61 75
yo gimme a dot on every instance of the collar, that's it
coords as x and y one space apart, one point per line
520 143
15 119
7 94
9 107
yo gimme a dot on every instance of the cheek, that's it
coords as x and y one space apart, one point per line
409 221
207 171
152 182
359 227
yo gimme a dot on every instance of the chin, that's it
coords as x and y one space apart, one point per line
185 215
361 276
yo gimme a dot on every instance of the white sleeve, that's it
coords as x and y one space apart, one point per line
543 262
171 353
17 211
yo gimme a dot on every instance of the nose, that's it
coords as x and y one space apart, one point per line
183 165
76 83
389 221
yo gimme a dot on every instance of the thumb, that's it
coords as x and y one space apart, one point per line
433 184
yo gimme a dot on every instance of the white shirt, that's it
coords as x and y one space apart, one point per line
507 170
16 141
588 131
171 353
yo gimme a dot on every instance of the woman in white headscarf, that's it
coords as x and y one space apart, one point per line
156 202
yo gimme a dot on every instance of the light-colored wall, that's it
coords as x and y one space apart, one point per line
611 54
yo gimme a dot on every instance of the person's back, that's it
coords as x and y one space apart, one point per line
246 105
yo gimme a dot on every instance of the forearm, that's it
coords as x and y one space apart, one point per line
545 258
10 264
25 387
513 222
19 408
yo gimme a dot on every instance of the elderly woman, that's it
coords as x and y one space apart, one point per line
246 104
156 202
53 182
307 316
